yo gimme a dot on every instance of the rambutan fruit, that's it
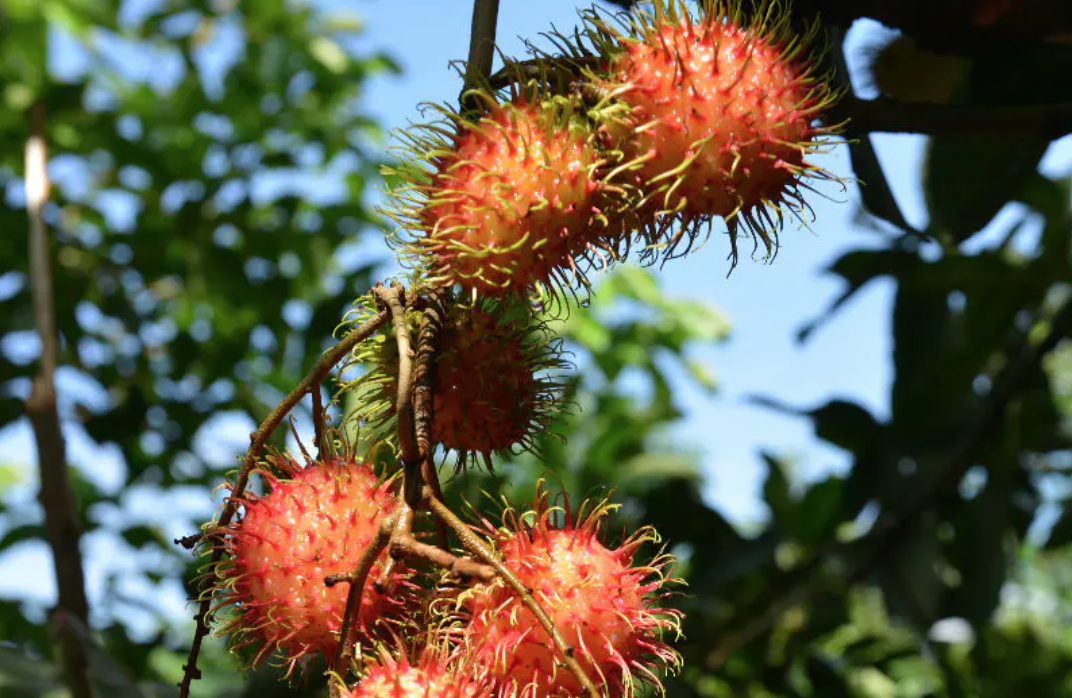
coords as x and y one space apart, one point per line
389 673
497 378
604 606
312 522
719 118
512 201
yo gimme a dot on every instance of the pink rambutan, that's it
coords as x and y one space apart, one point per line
604 606
312 522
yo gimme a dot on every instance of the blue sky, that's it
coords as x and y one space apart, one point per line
766 304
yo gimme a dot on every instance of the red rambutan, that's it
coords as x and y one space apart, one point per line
605 607
496 384
718 120
510 202
390 674
312 522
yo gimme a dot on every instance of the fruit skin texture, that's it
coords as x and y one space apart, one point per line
487 391
602 605
312 522
390 674
497 378
718 119
509 203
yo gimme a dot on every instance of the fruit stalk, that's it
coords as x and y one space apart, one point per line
424 396
348 633
319 426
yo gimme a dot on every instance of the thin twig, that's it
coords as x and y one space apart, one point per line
297 439
258 439
392 299
481 41
408 546
61 522
475 545
432 319
888 535
350 625
319 427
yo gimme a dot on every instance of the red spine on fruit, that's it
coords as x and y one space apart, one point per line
312 522
390 674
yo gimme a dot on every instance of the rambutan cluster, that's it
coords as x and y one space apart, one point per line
643 133
314 522
673 119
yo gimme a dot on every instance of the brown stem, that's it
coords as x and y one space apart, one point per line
475 545
61 521
481 41
402 529
432 320
319 427
258 439
392 298
348 633
408 546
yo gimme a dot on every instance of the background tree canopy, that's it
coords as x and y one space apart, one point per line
213 173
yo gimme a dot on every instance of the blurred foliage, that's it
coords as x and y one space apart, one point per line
206 205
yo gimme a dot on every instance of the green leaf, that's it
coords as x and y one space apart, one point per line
875 192
847 425
819 512
969 179
777 492
909 575
25 677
